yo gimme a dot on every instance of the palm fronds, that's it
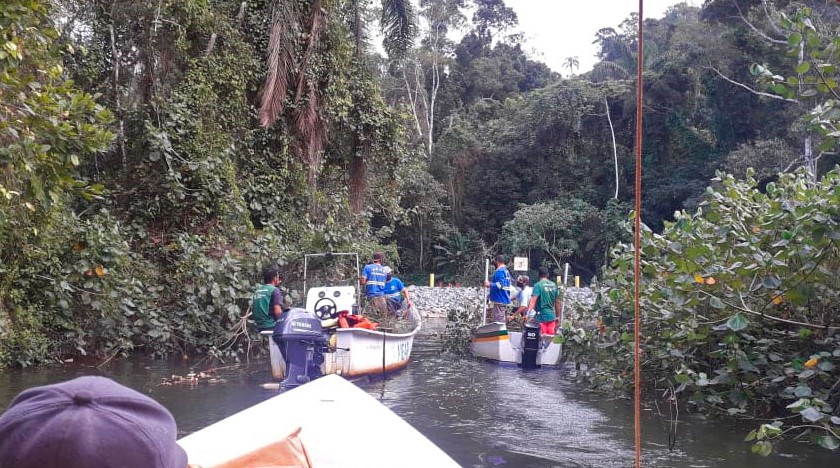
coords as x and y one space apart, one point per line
279 61
284 71
399 25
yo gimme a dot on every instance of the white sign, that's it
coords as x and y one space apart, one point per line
520 263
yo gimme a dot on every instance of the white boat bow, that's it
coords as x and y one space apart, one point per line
342 426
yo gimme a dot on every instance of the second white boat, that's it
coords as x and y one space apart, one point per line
495 342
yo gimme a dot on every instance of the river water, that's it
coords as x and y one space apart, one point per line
481 414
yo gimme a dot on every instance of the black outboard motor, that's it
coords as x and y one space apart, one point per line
530 345
301 339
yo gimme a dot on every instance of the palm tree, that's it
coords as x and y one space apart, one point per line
572 63
296 32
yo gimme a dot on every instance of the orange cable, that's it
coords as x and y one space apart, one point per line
637 248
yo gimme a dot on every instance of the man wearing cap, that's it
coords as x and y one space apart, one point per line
373 279
267 304
395 292
499 287
88 422
523 294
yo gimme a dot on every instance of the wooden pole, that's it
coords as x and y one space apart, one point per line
637 246
486 278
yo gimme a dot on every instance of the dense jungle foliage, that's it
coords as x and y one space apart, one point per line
157 155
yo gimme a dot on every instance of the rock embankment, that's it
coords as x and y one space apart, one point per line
438 302
578 302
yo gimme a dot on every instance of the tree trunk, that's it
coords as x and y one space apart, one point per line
615 150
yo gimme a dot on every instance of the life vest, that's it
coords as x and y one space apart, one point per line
366 323
346 320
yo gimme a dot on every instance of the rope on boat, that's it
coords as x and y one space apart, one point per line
637 247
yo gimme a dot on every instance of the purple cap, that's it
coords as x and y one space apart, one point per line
88 422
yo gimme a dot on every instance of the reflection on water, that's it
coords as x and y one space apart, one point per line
481 414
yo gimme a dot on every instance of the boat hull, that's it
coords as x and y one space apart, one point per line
359 352
495 342
329 414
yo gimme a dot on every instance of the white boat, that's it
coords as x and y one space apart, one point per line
495 342
339 426
355 352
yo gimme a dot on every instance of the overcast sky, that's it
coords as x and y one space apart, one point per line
556 29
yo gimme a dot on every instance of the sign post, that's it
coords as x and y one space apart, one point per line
520 264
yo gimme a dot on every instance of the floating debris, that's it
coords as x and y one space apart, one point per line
193 378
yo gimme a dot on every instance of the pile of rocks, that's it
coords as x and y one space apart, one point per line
579 302
437 302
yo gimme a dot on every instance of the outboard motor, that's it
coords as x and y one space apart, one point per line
301 339
530 345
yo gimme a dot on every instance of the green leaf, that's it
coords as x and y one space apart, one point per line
716 303
780 89
771 429
771 282
794 39
762 448
803 67
802 391
737 322
829 442
811 414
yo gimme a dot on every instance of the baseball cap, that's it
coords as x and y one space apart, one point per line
387 270
88 422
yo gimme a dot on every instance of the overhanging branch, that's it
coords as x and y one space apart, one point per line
754 91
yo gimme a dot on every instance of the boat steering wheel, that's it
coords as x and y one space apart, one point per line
328 311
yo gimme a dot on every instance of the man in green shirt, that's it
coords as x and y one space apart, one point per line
543 300
268 300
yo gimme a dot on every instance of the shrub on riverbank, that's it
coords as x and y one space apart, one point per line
740 308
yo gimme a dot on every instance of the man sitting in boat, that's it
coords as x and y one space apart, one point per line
543 299
499 287
267 304
523 295
373 279
396 293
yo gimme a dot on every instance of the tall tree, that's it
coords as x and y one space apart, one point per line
295 36
572 63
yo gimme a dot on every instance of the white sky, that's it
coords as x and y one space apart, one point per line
556 29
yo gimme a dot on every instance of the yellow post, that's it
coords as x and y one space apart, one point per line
431 280
559 280
577 281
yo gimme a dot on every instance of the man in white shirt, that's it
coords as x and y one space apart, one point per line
523 294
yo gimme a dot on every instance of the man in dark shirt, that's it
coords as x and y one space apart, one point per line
268 300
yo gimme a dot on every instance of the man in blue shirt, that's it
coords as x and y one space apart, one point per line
499 290
373 279
396 293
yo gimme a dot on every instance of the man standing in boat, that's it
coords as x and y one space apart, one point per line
373 279
543 299
499 290
267 304
523 295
